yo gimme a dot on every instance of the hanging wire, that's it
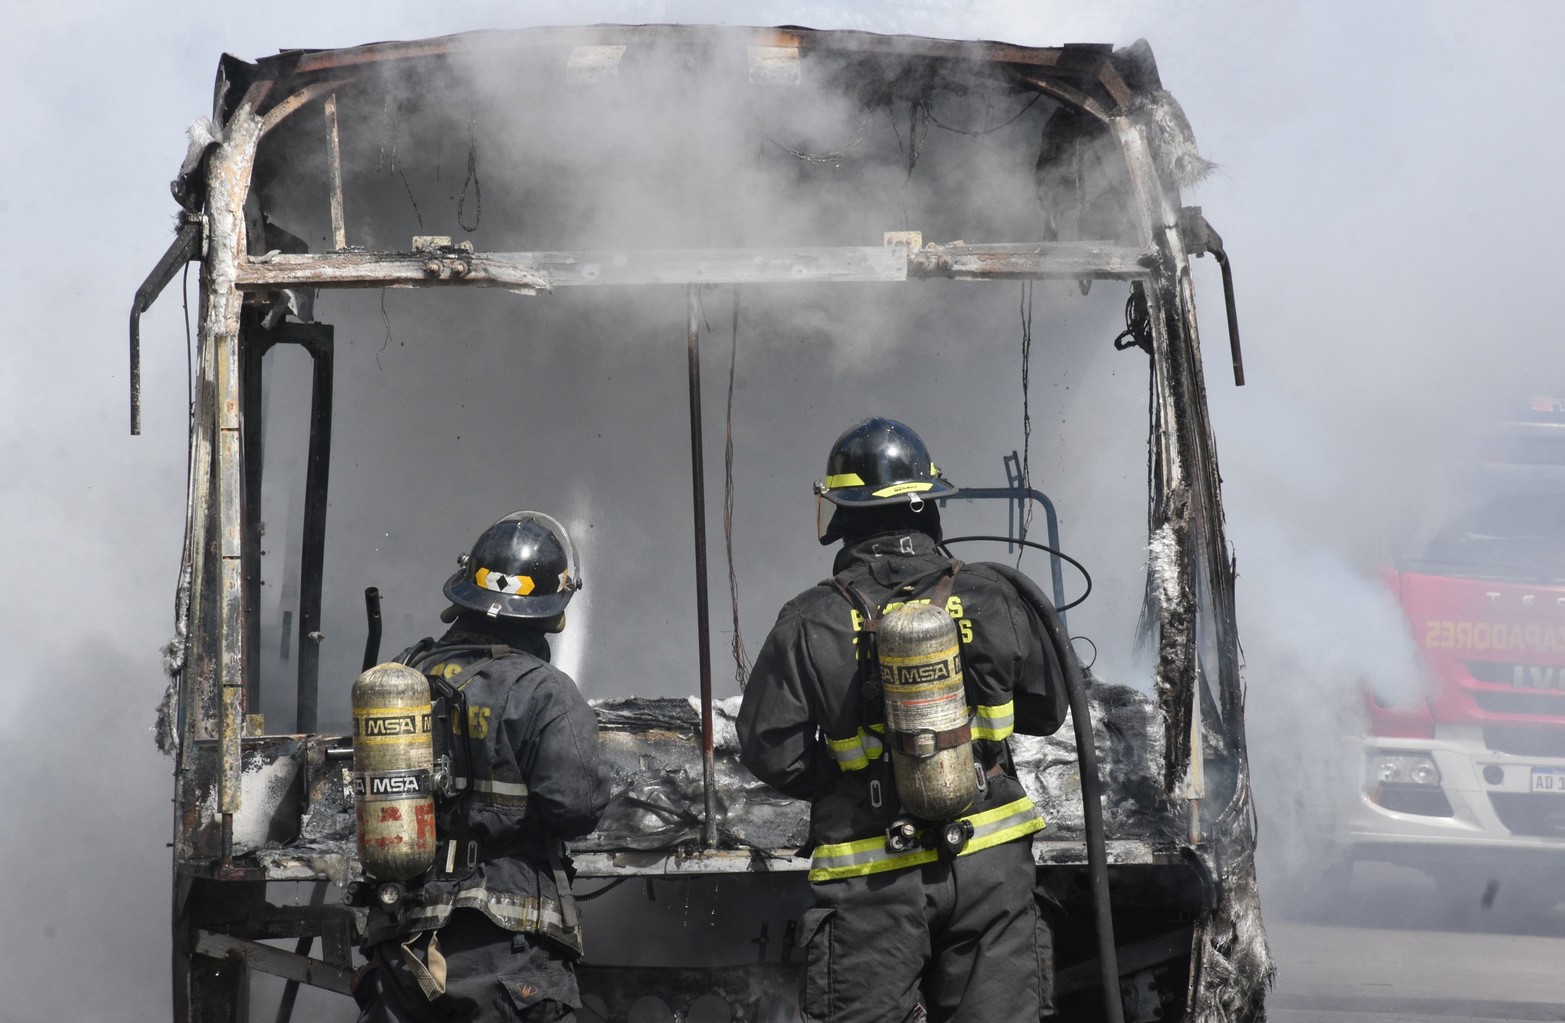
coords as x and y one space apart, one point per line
918 116
391 133
986 131
1026 311
386 319
836 156
741 657
472 178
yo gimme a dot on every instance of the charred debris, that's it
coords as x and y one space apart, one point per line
643 162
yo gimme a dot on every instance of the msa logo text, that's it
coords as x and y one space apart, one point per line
1537 676
396 724
934 671
389 785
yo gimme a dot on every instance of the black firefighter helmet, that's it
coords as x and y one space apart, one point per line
523 566
881 462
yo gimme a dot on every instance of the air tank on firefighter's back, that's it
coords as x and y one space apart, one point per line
927 727
393 765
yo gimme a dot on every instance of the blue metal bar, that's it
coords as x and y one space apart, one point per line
1052 522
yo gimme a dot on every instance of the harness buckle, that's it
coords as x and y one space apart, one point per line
902 836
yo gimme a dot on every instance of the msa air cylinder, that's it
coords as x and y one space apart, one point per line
393 758
927 727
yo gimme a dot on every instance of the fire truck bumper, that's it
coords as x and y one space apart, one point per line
1450 801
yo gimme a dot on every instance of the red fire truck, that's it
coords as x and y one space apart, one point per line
1466 779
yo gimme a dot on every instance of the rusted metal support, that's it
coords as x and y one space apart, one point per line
276 961
703 623
339 231
542 271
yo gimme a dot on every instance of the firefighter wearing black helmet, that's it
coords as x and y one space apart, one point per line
899 918
491 932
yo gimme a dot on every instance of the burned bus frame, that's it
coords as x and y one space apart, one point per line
222 914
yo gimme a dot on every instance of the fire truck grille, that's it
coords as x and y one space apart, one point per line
1426 802
1525 740
1530 704
1523 813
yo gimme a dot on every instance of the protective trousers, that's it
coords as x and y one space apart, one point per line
492 975
964 935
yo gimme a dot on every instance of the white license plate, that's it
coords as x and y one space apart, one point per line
1549 779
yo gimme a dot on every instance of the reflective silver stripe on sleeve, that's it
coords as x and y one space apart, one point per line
995 722
504 793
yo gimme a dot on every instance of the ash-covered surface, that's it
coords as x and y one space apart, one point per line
654 746
1128 734
654 749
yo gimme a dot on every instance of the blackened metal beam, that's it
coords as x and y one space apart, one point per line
703 623
313 549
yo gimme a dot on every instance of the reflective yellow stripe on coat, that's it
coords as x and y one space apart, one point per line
996 722
1002 824
856 751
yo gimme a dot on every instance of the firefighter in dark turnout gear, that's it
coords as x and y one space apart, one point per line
897 918
492 933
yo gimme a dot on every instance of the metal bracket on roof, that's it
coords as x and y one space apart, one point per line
1200 238
187 245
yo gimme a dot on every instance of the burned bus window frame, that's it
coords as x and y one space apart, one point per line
1184 841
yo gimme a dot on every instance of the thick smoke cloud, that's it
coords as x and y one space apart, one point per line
1385 189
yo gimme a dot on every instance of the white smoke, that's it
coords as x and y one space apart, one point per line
1384 216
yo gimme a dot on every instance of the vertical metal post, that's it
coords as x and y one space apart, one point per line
339 231
703 626
252 352
313 548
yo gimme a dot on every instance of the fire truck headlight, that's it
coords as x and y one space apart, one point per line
1391 768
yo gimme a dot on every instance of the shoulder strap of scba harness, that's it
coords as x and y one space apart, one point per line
868 654
458 852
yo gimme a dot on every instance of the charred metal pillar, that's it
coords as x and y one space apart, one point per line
317 341
703 624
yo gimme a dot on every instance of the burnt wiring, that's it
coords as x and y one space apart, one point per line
987 131
918 118
390 135
741 657
386 319
589 896
736 645
472 178
1138 322
836 156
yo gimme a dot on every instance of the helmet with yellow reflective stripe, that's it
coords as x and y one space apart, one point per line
523 566
879 462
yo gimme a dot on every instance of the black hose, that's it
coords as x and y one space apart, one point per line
1078 566
372 639
1091 789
